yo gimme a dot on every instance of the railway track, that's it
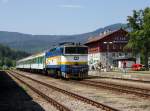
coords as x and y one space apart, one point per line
56 104
73 95
121 88
124 79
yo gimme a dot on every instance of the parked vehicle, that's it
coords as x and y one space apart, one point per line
137 67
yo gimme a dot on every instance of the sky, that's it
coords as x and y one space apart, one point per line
64 17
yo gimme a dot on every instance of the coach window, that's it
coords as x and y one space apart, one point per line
40 60
34 60
37 60
29 61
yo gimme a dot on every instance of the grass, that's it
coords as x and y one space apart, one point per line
24 88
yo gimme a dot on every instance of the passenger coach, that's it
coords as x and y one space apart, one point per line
68 60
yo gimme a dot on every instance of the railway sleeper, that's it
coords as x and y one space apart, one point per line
76 96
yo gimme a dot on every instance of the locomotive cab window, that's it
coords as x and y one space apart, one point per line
70 50
76 50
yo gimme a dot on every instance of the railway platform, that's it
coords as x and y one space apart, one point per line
13 97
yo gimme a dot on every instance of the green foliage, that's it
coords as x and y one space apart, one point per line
140 35
9 56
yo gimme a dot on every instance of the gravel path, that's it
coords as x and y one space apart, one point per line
122 101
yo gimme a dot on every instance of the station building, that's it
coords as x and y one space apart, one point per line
108 49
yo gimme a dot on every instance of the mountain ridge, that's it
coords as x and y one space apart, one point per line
35 43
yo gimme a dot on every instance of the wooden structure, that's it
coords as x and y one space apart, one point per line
107 47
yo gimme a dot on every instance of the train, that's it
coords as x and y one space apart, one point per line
67 60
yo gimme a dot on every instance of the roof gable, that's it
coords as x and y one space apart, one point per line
100 37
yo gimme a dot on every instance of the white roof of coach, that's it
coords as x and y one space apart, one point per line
32 57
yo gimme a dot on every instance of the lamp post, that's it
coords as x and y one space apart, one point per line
107 54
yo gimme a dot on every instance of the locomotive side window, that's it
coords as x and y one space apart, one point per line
76 50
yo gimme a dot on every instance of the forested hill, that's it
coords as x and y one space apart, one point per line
8 56
36 43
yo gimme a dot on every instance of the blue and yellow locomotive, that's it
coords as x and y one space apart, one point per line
68 60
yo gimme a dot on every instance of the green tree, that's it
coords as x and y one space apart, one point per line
8 62
9 56
139 40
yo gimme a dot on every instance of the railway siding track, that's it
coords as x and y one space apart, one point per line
122 88
58 106
123 79
76 96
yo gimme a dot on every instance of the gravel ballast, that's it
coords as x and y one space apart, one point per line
122 101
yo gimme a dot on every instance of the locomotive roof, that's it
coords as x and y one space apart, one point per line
71 44
80 45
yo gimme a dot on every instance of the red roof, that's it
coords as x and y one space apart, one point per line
97 38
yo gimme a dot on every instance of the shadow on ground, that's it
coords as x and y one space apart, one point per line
13 97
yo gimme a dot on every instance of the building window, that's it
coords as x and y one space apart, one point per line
113 54
126 54
120 38
120 47
114 46
120 54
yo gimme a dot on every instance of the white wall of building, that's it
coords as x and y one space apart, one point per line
138 59
94 58
128 64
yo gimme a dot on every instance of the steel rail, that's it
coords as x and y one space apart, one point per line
122 88
123 79
56 104
76 96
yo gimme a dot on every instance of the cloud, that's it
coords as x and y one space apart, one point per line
4 1
70 6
